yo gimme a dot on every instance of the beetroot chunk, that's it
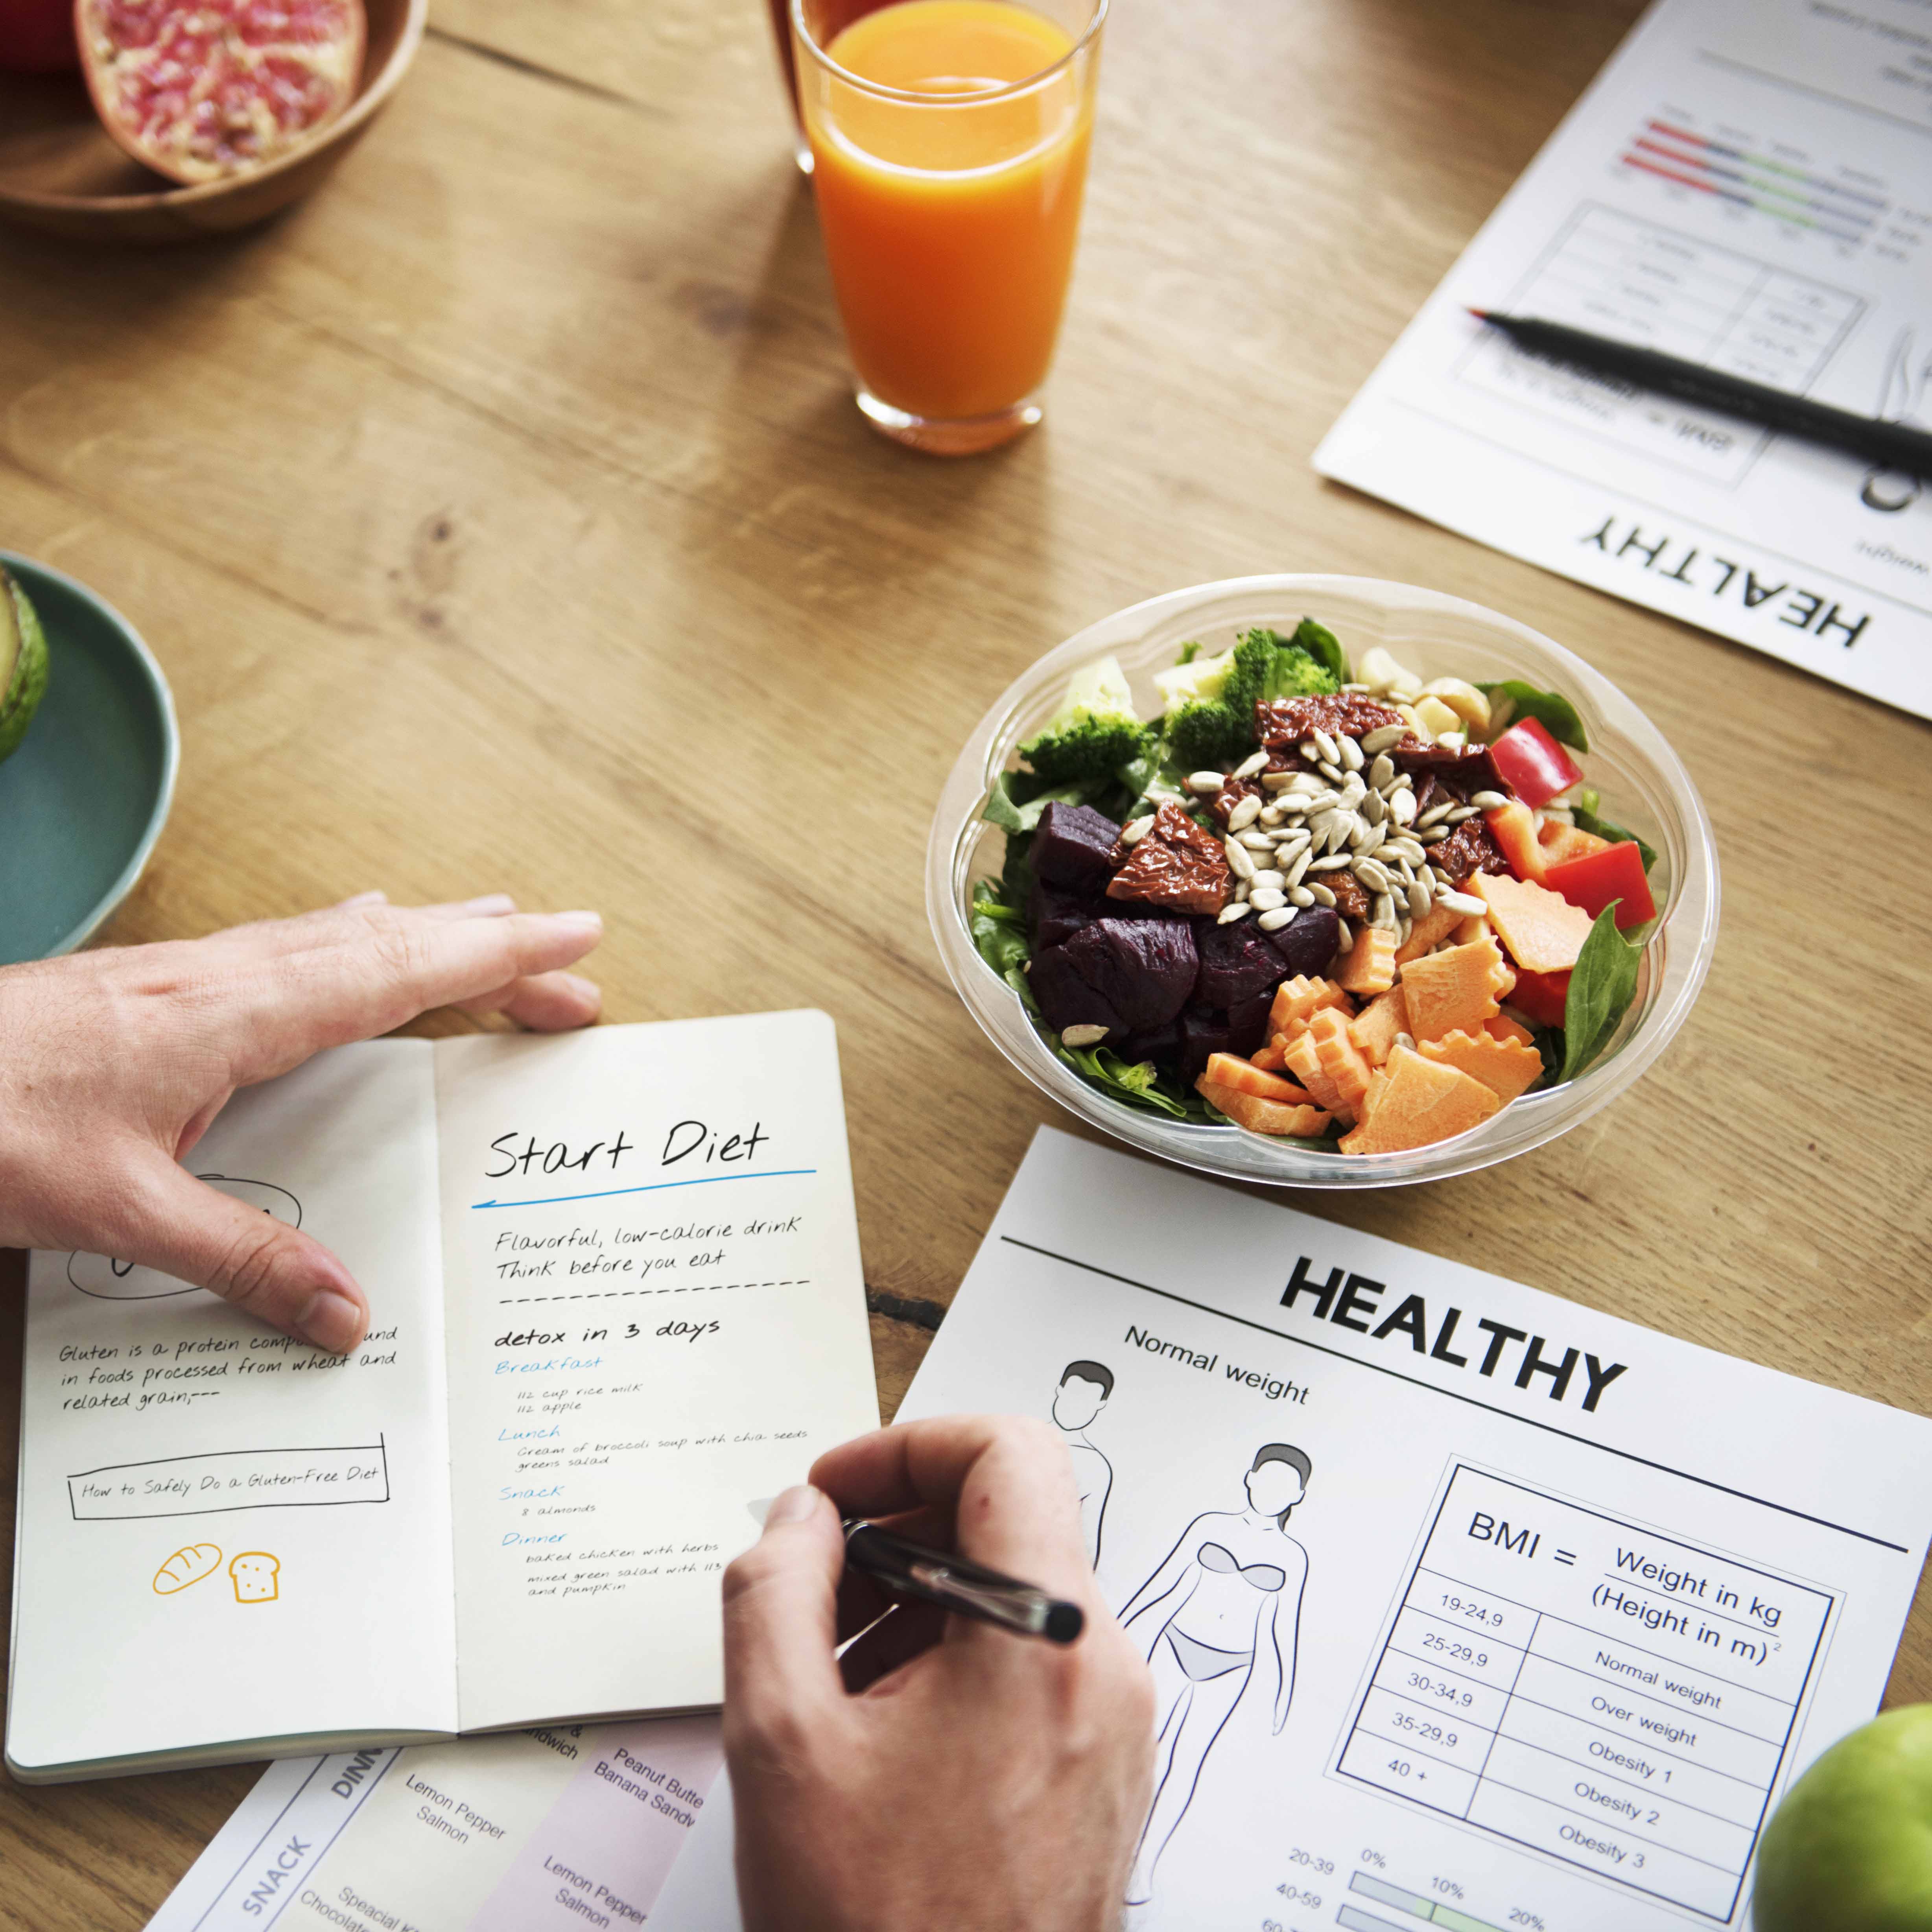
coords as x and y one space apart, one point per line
1054 914
1162 1045
1203 1033
1144 968
1247 1024
1237 962
1306 944
1063 996
1072 846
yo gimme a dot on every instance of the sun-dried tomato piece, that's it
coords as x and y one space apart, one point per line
1470 847
1281 724
1223 804
1351 896
1176 864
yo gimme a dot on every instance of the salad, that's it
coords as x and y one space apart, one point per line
1338 904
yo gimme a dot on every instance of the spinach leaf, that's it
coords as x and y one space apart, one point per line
1602 982
1324 646
1139 1086
1587 819
1010 808
1153 784
1550 709
999 933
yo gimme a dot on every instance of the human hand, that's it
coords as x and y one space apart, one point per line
953 1774
114 1063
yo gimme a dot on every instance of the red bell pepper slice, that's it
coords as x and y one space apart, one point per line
1535 766
1593 881
1541 996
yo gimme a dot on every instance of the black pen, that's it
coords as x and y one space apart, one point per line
1895 446
967 1589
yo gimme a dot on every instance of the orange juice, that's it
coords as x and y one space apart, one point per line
950 205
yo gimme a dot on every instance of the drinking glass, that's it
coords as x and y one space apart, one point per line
950 140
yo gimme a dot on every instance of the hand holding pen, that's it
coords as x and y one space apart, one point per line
940 1757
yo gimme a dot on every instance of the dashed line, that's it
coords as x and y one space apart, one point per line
624 1294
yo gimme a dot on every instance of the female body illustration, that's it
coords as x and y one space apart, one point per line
1222 1611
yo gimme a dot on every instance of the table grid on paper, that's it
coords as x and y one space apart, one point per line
1609 1697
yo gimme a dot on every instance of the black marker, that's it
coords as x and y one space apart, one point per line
1896 446
967 1589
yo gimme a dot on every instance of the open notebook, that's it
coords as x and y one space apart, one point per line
617 1297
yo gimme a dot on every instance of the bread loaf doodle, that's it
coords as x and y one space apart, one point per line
188 1565
256 1575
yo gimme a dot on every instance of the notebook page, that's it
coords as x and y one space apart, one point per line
656 1318
225 1535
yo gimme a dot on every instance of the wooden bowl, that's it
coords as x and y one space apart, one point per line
61 171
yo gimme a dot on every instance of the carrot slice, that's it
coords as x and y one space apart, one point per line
1373 1029
1341 1059
1505 1067
1267 1058
1503 1027
1263 1117
1369 966
1305 1063
1431 929
1297 1000
1455 990
1544 931
1415 1102
1228 1069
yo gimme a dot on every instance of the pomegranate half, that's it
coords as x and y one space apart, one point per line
200 90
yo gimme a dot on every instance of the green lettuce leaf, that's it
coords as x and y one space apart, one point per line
1602 982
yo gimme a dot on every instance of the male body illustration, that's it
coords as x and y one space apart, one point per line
1084 1389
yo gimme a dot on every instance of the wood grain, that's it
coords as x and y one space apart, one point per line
488 506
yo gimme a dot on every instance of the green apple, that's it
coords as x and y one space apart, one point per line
1850 1848
23 664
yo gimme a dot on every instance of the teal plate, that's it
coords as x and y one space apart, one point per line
84 798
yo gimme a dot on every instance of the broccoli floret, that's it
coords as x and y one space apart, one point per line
1095 732
1211 717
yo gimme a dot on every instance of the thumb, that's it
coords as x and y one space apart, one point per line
781 1681
191 1230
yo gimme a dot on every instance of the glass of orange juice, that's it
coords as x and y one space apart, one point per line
949 141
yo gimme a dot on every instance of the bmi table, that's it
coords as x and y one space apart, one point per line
491 508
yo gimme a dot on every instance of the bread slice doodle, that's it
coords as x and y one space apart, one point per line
256 1576
186 1566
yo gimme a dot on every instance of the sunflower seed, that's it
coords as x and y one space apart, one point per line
1135 829
1229 913
1254 762
1264 899
1269 878
1375 807
1301 896
1241 889
1322 895
1274 922
1467 904
1245 814
1434 834
1352 753
1293 877
1445 880
1355 687
1354 791
1489 801
1418 899
1255 841
1333 862
1345 940
1325 745
1344 830
1458 813
1382 770
1384 914
1309 749
1280 780
1082 1036
1384 737
1407 1039
1242 865
1330 771
1371 838
1271 816
1434 813
1372 875
1407 847
1206 783
1401 806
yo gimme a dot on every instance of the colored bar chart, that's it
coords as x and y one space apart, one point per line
1435 1911
1799 197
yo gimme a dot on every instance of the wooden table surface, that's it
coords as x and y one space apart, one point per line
484 508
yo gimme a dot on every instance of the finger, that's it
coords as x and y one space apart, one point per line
1007 1480
355 899
330 925
547 1002
781 1675
393 966
186 1228
907 1633
491 905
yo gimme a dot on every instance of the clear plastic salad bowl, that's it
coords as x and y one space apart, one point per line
1644 787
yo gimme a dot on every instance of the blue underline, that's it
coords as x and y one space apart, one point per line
655 1187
